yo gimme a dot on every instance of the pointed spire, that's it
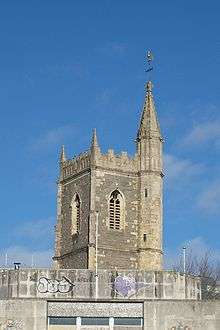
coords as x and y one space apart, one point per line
94 143
62 155
149 124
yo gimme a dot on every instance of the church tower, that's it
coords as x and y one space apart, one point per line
109 206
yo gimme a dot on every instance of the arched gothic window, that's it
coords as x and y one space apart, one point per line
75 214
116 210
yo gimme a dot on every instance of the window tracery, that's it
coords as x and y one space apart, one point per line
75 214
116 210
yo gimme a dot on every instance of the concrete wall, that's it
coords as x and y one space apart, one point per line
32 314
45 283
181 315
23 314
96 309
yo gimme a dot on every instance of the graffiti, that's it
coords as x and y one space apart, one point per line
127 286
13 325
46 285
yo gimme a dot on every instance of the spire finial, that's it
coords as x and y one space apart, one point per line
149 122
62 154
149 60
149 86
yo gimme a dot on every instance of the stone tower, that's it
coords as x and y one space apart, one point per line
117 196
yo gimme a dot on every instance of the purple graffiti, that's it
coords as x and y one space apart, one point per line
127 286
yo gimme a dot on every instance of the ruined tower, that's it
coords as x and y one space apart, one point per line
117 196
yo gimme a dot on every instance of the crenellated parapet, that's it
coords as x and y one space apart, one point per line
76 165
118 162
109 161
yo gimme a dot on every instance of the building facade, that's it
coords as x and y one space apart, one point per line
116 199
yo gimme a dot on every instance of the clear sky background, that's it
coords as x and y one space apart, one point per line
69 66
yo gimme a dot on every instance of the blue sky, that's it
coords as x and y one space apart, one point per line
69 66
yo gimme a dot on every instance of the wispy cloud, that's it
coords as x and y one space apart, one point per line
177 168
27 257
104 97
35 229
113 48
208 200
58 71
197 247
203 133
53 137
36 237
63 70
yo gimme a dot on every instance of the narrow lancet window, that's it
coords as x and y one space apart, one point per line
115 210
75 214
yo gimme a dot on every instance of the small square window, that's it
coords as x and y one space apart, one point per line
95 321
62 320
129 321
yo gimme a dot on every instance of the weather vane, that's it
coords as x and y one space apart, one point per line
149 61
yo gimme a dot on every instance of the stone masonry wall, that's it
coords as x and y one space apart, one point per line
76 257
94 176
141 215
117 248
150 222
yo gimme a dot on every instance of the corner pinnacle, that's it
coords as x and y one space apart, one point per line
94 143
62 154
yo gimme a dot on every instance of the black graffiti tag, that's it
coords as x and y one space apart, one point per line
46 285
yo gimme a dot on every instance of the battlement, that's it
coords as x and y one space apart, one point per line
120 162
110 160
76 165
